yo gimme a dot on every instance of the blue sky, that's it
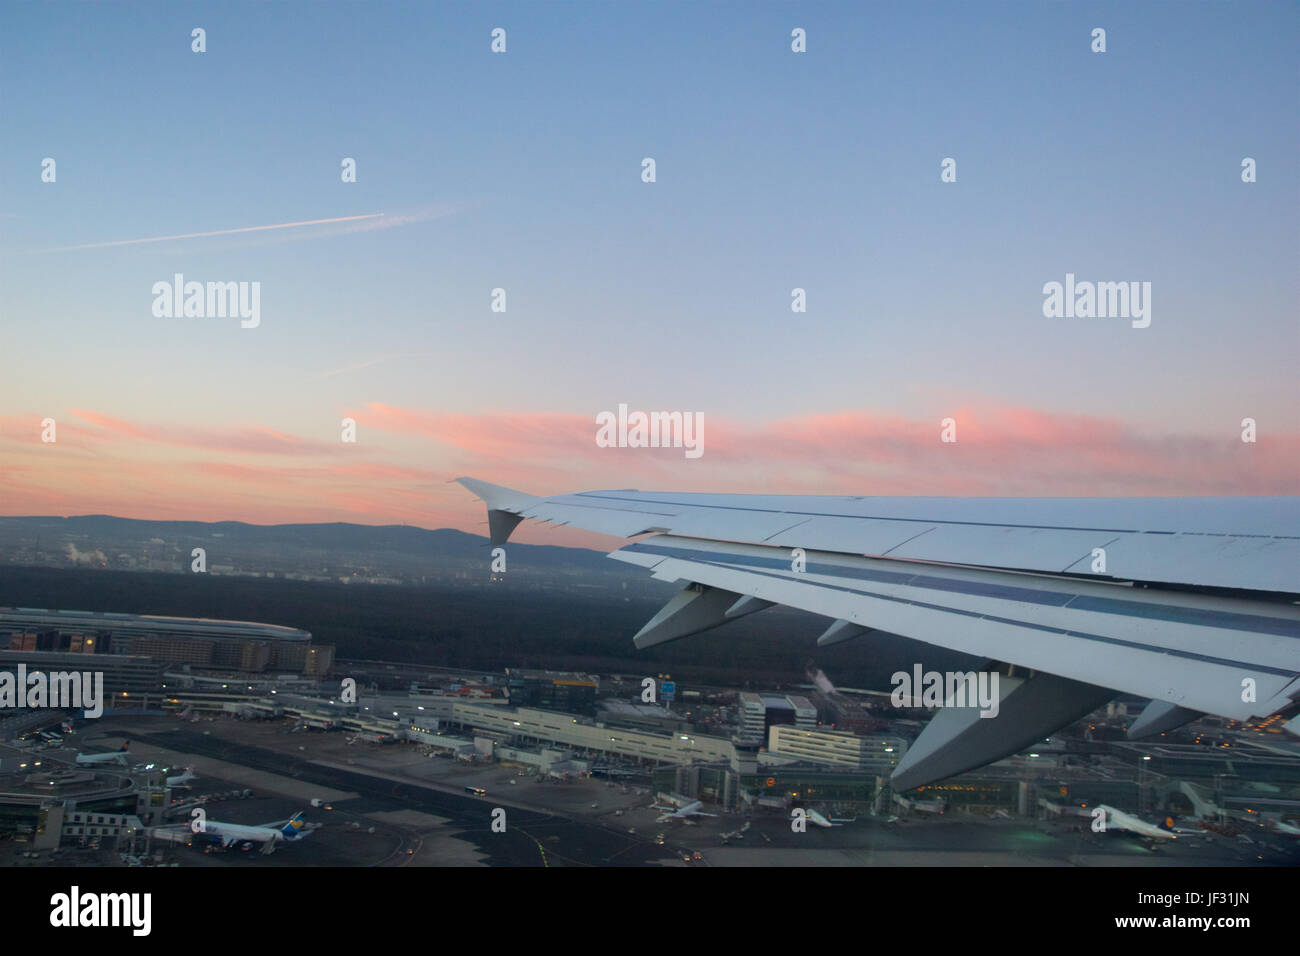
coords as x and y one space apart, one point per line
775 170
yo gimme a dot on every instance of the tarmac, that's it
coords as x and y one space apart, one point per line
394 805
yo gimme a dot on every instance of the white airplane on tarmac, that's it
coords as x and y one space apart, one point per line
683 813
268 836
818 819
113 756
680 808
1119 820
183 780
920 806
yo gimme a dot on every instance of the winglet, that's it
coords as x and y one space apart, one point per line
504 505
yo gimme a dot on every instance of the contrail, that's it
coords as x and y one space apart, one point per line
226 232
373 361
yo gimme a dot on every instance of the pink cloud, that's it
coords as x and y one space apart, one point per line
999 451
255 439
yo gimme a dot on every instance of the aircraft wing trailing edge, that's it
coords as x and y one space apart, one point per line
1190 602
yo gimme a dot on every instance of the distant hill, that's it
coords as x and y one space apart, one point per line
325 552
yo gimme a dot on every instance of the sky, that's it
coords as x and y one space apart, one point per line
523 171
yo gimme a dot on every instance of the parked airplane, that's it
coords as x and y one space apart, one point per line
920 806
818 819
682 813
1070 600
1281 826
1119 820
183 780
113 756
674 798
267 836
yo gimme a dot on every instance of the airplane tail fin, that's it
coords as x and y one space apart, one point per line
126 745
293 828
1167 822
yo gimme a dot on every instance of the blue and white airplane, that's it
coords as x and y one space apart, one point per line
267 836
1188 602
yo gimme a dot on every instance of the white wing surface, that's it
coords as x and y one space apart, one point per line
1191 602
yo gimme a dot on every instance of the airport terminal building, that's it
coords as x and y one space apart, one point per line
243 646
134 650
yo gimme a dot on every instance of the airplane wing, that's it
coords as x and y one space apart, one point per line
1190 602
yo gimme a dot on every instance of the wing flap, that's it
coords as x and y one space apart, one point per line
1184 649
